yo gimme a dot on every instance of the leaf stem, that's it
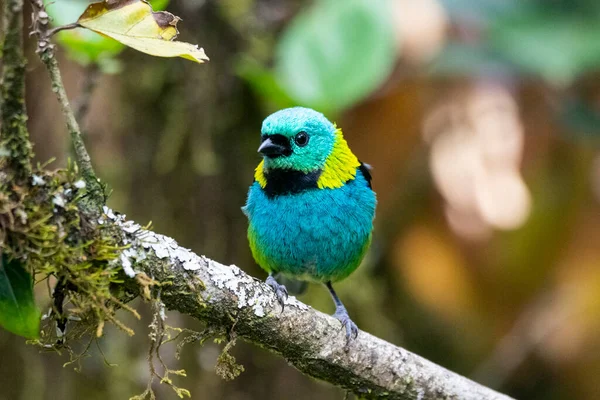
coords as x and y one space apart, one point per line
53 31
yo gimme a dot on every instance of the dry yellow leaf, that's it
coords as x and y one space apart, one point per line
133 23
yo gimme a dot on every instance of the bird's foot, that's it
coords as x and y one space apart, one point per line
280 290
351 329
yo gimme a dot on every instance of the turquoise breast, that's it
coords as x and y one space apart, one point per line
317 234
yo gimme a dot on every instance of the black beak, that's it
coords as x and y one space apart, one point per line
270 149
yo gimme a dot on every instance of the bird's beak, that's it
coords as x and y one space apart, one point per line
270 149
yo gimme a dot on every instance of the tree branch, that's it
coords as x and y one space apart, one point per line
311 341
13 115
46 51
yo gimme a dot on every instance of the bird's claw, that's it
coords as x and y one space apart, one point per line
280 291
351 328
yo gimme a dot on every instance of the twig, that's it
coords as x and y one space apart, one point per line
53 31
45 50
13 115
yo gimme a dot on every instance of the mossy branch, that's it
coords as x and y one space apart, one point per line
107 260
14 135
315 343
45 49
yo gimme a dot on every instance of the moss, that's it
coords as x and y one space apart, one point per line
41 224
14 143
227 367
196 337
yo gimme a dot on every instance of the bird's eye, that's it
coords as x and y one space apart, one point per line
301 139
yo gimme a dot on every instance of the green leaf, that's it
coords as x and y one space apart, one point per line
481 11
466 60
262 81
135 24
580 116
336 53
557 47
82 45
557 41
159 5
18 312
86 46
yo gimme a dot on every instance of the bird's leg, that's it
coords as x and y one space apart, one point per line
280 290
342 314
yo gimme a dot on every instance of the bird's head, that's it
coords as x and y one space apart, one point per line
296 138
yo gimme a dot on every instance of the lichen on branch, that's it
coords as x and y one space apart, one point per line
311 341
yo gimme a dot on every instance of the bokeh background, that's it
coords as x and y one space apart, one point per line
481 120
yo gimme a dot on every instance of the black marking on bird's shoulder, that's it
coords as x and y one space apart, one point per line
366 173
287 181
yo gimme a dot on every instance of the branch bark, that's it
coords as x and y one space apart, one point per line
13 114
314 343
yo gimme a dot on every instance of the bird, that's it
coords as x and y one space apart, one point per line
311 206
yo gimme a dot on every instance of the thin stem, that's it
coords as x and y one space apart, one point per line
53 31
82 157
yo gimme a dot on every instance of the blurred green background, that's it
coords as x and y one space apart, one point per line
481 121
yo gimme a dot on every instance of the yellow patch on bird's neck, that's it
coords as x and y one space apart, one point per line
259 175
340 166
